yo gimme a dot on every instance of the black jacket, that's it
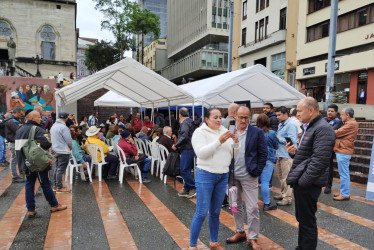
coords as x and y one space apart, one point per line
273 121
11 126
313 155
22 136
185 134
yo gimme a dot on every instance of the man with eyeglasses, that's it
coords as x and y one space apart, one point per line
248 165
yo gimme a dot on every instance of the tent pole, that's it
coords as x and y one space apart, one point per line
176 112
202 111
141 115
193 111
169 114
153 114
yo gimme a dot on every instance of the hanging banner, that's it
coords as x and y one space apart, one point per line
370 185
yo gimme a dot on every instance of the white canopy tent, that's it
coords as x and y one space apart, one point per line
112 99
130 79
255 83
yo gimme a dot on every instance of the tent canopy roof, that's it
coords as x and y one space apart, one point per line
130 79
255 83
112 99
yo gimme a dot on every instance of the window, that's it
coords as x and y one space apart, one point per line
315 5
361 17
215 60
256 31
261 30
283 19
220 60
48 44
219 4
214 3
262 4
213 18
244 34
244 10
5 29
267 3
266 26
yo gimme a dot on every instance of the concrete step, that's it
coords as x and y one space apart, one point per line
366 124
363 144
355 176
355 167
362 151
366 131
365 159
364 137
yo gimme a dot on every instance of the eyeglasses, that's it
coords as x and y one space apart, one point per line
243 117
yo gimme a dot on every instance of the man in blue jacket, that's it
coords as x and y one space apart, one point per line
248 165
286 128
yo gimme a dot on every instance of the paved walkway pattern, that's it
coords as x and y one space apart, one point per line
110 215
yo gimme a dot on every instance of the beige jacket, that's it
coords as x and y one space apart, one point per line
345 137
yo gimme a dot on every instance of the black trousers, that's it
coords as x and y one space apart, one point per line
306 208
331 170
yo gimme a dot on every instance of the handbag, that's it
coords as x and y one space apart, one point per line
37 159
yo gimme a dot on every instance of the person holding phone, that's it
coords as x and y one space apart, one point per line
214 146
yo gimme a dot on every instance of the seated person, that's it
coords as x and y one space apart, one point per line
128 146
93 134
117 137
166 140
113 130
102 132
130 128
148 123
77 151
142 135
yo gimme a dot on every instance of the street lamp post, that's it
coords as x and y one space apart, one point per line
37 62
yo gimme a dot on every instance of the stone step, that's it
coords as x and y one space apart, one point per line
365 159
366 124
364 137
366 131
363 144
355 176
355 167
362 151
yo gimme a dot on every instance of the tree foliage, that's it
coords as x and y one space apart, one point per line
101 55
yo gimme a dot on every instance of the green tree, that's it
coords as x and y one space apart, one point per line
101 55
144 22
116 19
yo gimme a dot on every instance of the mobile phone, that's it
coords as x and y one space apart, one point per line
288 139
232 127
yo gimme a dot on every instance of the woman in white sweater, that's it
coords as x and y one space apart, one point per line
214 147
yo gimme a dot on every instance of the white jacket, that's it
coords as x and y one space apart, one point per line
212 156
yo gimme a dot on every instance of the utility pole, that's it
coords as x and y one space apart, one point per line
230 34
331 54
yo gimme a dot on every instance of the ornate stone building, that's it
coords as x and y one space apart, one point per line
43 28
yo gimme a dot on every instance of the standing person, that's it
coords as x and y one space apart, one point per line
60 80
12 124
268 110
187 153
333 120
50 121
309 169
136 123
62 144
362 97
214 146
286 128
3 161
84 125
248 166
233 107
293 113
263 123
174 123
148 124
344 148
93 120
22 136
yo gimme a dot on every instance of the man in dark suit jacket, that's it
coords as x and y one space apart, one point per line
248 165
166 140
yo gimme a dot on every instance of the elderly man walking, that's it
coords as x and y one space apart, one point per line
62 144
309 171
344 148
248 165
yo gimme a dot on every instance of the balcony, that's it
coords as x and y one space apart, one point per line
270 40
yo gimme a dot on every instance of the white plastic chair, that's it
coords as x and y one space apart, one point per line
123 165
138 145
108 142
92 149
148 146
163 156
155 150
70 170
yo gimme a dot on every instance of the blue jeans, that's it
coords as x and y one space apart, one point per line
46 186
210 192
265 180
146 165
2 149
343 166
186 165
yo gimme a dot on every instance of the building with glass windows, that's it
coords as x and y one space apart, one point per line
354 60
263 35
197 39
83 43
45 28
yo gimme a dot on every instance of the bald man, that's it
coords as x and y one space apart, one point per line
233 108
22 135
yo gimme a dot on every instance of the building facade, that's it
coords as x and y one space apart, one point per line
354 60
83 44
155 55
38 31
263 34
197 39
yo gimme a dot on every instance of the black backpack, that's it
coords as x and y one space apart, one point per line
2 125
172 165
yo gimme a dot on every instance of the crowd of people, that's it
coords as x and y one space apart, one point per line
300 144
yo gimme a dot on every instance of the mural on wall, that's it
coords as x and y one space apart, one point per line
26 93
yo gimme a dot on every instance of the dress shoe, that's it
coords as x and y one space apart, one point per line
341 198
18 180
284 202
278 197
31 214
192 248
254 244
215 246
268 207
58 208
237 237
62 190
112 177
336 195
327 190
